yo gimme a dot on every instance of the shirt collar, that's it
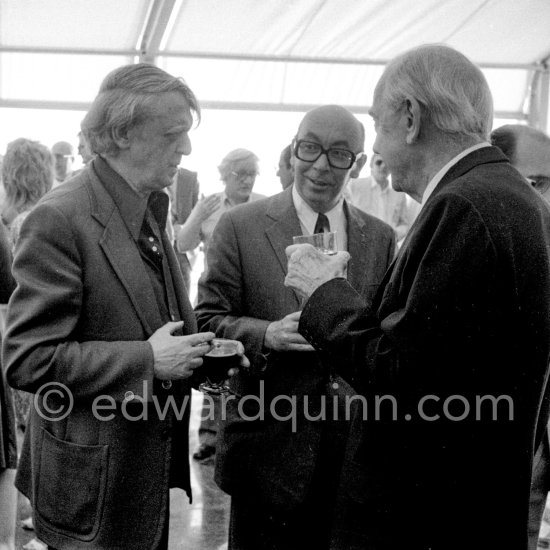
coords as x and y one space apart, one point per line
131 206
439 176
229 204
308 216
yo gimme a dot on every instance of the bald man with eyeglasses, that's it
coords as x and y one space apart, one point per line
281 470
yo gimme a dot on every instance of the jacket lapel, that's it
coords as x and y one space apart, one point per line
186 312
282 225
359 243
122 253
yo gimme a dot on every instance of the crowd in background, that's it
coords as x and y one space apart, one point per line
235 286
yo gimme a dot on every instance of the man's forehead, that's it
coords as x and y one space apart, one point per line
336 125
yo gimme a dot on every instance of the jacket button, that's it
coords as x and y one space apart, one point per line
128 396
167 384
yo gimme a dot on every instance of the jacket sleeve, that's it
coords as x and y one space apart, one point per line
428 300
221 292
43 343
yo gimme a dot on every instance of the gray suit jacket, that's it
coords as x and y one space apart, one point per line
80 316
240 295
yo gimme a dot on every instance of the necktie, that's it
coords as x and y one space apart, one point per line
322 225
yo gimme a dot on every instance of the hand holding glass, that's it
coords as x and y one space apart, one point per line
223 356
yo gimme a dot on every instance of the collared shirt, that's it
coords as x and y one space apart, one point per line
439 176
386 204
208 225
145 218
308 217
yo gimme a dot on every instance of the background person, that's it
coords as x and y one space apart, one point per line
528 150
285 171
282 480
84 149
464 313
63 154
184 195
8 444
375 195
27 175
238 171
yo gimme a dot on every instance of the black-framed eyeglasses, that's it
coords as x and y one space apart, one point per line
540 183
309 151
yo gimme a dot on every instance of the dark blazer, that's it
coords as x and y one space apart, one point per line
241 294
80 316
463 314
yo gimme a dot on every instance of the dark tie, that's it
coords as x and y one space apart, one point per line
322 225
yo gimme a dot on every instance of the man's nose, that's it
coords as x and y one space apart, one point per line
184 145
322 162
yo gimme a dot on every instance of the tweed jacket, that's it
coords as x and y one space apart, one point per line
78 323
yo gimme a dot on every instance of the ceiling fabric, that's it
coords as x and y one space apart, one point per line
263 54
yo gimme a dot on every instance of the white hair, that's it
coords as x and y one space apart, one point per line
453 92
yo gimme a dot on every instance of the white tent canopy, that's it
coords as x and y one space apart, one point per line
268 54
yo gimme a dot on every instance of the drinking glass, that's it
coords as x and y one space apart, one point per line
325 242
216 363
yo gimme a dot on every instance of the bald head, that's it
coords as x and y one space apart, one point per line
337 118
328 150
529 152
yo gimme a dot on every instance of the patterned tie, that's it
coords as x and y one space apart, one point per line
322 225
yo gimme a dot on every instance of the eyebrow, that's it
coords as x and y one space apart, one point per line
340 143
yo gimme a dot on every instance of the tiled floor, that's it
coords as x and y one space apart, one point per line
198 526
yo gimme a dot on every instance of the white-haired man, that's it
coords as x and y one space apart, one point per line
459 336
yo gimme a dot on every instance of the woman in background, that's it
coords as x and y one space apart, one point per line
27 175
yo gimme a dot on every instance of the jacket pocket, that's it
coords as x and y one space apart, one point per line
71 485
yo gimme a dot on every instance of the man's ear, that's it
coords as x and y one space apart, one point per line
413 113
357 167
120 137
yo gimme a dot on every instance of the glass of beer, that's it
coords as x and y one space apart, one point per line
216 363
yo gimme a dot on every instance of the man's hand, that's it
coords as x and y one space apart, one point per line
283 335
206 206
244 364
309 268
177 356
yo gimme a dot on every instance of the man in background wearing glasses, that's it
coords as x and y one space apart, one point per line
238 171
281 470
529 152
